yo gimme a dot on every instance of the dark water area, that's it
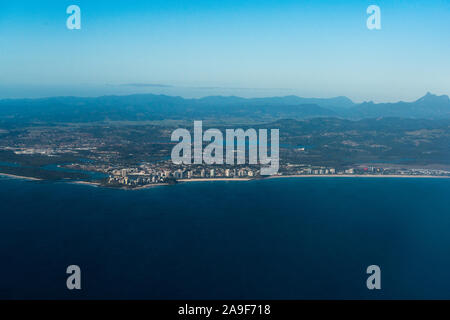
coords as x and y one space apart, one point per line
296 238
90 175
9 164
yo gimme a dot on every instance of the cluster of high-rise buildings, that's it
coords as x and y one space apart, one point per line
166 172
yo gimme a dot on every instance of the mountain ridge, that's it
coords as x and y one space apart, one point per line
141 107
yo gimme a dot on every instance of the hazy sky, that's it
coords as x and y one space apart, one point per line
313 48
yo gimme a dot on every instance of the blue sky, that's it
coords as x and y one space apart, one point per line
313 48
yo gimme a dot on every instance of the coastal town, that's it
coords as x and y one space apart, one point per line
135 156
164 173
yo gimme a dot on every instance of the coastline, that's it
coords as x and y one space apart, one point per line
97 184
92 184
19 177
356 176
146 186
217 179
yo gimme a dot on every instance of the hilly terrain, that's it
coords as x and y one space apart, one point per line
149 107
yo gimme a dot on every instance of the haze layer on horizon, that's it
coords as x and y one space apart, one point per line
246 48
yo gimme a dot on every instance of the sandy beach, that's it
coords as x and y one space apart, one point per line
19 177
356 176
94 184
147 186
215 179
314 176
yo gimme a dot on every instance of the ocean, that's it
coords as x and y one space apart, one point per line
293 238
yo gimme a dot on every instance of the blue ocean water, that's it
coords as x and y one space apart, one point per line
303 238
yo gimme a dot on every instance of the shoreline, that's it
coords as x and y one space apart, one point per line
146 187
213 179
87 183
316 176
19 177
97 184
356 176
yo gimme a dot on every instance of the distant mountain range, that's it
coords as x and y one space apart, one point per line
144 107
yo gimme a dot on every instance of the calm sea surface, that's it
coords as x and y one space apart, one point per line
271 239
